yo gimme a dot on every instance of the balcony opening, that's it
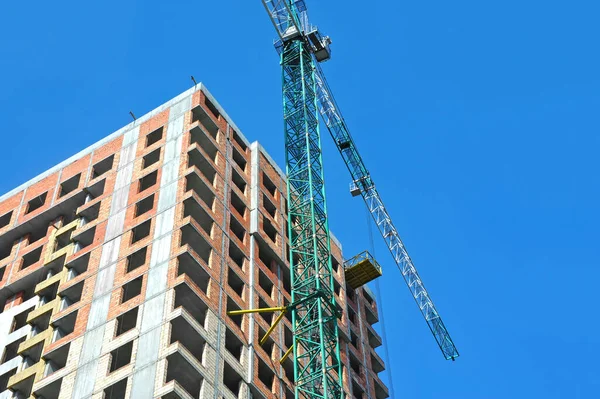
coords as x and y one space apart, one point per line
102 167
269 207
239 159
235 283
265 374
191 237
36 203
84 239
238 205
79 265
136 259
192 303
151 158
195 183
238 140
147 181
31 258
195 158
192 208
289 394
5 219
71 295
237 229
131 289
237 319
186 335
270 230
69 185
126 322
236 255
140 231
120 357
4 379
357 391
265 283
233 344
376 364
187 264
180 370
154 137
116 390
238 180
231 379
351 294
335 265
337 287
269 185
198 136
144 206
19 321
10 351
56 360
199 114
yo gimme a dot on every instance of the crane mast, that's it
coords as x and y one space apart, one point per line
306 94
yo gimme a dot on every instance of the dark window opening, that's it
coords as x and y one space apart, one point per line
116 390
237 228
352 316
213 110
36 203
269 230
236 283
136 259
19 321
239 159
231 379
127 321
267 316
269 207
265 374
10 351
5 219
144 205
69 185
199 114
268 345
140 231
265 282
236 254
154 137
102 167
31 258
120 357
151 158
238 139
233 344
269 185
4 379
238 180
238 205
131 289
148 181
198 136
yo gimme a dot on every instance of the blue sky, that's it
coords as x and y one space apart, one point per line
478 121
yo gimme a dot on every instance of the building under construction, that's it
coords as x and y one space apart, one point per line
119 266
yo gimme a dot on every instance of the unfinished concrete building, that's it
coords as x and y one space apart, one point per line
118 267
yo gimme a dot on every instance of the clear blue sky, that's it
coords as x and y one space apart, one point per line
479 123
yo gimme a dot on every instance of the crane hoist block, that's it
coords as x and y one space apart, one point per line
361 269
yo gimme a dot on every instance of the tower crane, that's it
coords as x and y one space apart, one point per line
306 95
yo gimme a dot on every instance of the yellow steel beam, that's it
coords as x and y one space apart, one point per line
286 354
260 310
277 320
